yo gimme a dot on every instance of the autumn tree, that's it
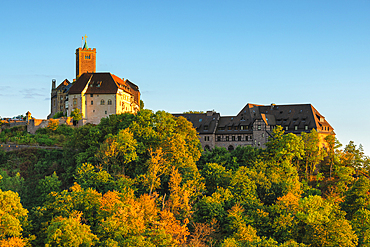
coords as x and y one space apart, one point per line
314 153
12 217
118 151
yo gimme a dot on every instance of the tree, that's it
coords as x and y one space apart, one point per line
285 146
355 157
332 148
314 154
12 217
361 225
357 196
47 185
141 105
156 168
58 115
323 224
69 232
118 151
76 115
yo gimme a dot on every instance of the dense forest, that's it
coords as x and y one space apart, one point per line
144 180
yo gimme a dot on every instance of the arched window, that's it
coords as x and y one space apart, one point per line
109 102
207 148
230 148
102 102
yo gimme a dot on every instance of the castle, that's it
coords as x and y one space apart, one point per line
95 95
254 124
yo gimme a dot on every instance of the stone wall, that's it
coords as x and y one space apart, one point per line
35 124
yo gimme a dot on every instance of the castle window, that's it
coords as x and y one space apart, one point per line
109 102
206 138
296 127
74 102
236 128
259 127
259 144
92 102
233 138
241 127
91 95
227 138
102 102
218 138
105 112
286 128
306 127
263 134
229 128
239 138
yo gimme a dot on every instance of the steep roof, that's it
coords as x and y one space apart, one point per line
300 115
62 85
103 83
205 123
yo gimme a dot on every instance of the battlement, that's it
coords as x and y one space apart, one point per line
84 49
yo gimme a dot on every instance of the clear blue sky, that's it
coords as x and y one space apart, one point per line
197 55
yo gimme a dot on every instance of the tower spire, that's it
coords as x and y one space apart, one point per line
85 45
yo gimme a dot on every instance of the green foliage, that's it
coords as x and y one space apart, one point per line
141 105
13 183
357 197
142 180
76 115
361 225
58 115
69 232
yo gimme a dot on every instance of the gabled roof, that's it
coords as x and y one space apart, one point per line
205 123
300 115
102 83
63 85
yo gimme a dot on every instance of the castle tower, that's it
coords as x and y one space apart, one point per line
85 60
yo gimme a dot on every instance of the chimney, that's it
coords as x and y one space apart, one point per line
53 82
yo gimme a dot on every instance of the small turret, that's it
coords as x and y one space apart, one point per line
53 84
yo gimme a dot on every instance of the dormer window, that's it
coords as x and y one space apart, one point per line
205 127
306 127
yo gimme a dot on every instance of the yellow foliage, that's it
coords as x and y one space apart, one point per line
53 124
12 242
289 202
172 226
